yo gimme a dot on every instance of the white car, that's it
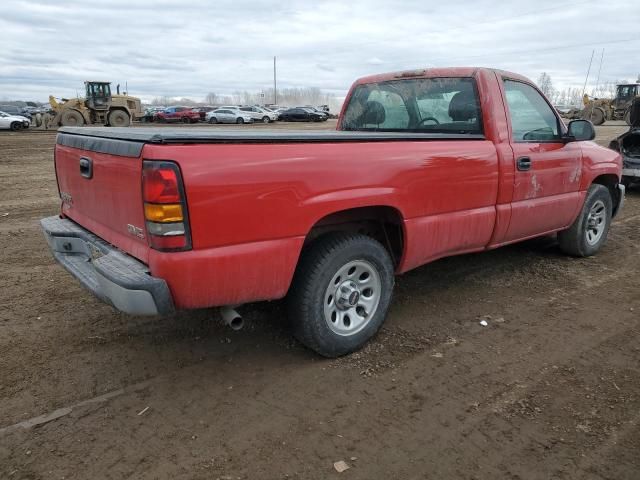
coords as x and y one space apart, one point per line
228 115
260 114
13 122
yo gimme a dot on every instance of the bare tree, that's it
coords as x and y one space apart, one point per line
211 98
546 85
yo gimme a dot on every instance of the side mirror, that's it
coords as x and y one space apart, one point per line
580 130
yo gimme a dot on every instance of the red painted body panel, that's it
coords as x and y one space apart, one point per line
229 275
251 205
281 191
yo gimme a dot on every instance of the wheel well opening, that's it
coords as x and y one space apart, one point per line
381 223
610 181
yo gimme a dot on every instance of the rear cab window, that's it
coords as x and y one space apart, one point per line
429 105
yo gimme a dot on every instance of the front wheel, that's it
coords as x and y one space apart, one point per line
239 120
16 126
341 293
589 231
265 119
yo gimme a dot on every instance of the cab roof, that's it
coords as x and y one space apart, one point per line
435 73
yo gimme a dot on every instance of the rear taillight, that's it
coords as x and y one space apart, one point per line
165 206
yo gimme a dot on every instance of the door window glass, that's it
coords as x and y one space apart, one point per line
532 119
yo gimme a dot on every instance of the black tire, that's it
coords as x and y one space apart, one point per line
627 117
119 118
265 119
594 114
575 240
72 118
316 271
239 120
186 120
213 120
16 126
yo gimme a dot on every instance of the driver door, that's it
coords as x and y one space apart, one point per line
547 169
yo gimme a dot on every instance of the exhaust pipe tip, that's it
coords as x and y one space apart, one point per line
231 318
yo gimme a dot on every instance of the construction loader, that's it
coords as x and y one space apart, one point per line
600 109
98 107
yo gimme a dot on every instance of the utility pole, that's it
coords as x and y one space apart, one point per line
594 92
275 85
584 88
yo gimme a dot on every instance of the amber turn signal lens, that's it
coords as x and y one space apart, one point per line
171 212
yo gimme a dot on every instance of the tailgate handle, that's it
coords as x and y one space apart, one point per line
86 167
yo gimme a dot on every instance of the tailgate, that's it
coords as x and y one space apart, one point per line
99 180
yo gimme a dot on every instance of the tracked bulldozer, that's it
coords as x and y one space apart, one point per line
98 107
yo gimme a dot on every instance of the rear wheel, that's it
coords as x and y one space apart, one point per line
239 120
186 120
213 120
16 126
119 118
589 231
341 293
627 117
72 118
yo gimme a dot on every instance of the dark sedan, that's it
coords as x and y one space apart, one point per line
301 115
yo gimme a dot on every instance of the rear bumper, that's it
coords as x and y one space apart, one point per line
110 274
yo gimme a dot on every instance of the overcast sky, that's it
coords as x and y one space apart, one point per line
190 48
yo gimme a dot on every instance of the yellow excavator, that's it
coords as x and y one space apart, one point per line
98 107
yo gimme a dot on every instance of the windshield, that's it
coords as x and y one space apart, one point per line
440 105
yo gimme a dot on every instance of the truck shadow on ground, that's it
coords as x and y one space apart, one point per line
267 328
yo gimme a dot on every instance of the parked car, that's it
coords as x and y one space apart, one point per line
13 122
424 165
228 115
12 110
325 115
177 114
260 114
202 111
299 114
628 144
150 114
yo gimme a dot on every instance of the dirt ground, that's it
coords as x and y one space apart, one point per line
549 389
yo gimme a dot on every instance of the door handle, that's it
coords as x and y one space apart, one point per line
86 167
523 164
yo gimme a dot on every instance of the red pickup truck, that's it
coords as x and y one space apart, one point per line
424 164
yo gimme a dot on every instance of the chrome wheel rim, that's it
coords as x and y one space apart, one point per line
352 297
596 221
